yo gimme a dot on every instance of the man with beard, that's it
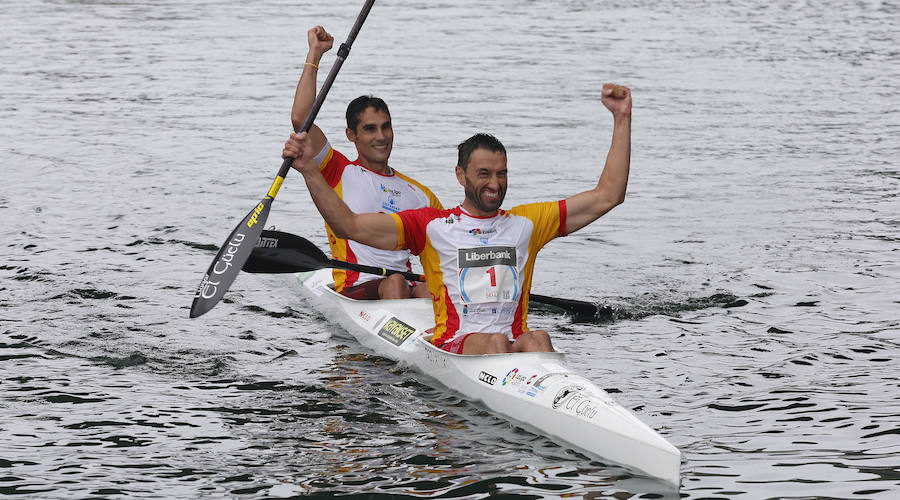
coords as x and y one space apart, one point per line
478 259
367 184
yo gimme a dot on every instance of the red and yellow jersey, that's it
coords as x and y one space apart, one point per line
479 269
366 191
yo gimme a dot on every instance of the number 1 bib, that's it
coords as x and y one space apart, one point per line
488 274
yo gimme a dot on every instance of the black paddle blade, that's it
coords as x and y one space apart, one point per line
280 252
231 257
579 309
279 239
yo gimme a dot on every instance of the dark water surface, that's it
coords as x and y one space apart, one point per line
753 274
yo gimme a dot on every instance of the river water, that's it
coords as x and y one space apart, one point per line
753 273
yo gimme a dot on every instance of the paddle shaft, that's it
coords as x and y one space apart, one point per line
381 271
342 54
233 254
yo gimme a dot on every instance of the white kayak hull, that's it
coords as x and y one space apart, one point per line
534 389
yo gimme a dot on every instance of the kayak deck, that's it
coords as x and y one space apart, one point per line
535 389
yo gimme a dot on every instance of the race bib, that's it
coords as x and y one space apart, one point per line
488 274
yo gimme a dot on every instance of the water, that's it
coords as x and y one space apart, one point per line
752 272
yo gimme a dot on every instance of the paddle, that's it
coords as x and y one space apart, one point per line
279 252
237 248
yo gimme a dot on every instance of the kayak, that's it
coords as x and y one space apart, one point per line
534 389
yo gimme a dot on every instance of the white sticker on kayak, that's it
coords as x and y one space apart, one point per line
316 285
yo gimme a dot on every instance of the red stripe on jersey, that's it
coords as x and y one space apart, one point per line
562 217
352 276
334 169
452 324
414 222
517 319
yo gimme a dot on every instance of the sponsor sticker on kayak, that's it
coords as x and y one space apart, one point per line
317 284
573 400
395 331
564 394
487 378
510 376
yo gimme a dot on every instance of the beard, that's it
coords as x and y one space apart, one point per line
480 203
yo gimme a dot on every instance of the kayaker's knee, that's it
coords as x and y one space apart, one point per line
486 343
534 341
542 338
393 287
500 343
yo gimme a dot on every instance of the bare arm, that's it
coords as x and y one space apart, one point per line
320 42
375 230
586 207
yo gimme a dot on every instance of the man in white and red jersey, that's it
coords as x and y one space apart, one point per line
367 184
478 259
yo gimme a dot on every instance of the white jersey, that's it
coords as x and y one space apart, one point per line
367 191
479 269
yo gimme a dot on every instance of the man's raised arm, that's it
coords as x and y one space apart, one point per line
320 42
586 207
375 230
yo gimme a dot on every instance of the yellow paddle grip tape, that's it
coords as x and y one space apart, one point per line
273 191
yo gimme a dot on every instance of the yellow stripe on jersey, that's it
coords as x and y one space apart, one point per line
435 282
401 235
544 218
338 246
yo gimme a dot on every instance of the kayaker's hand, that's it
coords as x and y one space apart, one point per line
320 41
299 147
616 98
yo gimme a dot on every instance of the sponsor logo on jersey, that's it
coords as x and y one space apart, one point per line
391 191
391 205
482 234
487 256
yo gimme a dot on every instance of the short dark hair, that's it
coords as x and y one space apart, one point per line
360 104
478 141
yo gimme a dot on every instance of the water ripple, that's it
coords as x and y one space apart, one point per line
747 289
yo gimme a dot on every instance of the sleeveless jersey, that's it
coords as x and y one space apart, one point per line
479 269
366 191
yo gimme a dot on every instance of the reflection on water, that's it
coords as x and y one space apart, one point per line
747 288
